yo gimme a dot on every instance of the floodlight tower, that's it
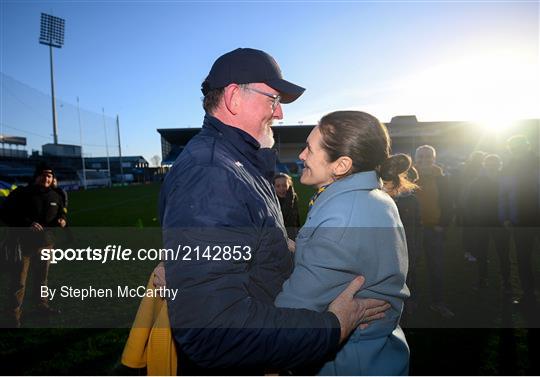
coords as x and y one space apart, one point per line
52 35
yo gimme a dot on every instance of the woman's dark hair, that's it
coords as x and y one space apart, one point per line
365 140
399 172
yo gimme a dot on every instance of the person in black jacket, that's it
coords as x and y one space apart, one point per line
520 208
30 212
469 171
288 202
409 212
217 203
482 203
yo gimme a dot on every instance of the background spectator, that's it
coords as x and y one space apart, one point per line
520 207
482 203
409 212
33 209
288 201
435 213
469 171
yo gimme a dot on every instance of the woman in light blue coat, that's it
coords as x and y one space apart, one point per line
353 228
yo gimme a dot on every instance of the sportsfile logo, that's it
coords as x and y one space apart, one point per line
118 253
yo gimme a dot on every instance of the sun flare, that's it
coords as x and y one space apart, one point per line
492 88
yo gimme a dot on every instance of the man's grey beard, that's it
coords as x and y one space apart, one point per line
267 140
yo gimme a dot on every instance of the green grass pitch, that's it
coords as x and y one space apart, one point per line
435 351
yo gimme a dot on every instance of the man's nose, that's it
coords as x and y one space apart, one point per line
278 112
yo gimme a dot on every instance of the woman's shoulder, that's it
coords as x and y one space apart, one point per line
381 209
357 208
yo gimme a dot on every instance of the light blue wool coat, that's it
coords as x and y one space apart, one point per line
354 229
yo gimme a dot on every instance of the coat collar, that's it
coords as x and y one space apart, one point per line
231 133
366 180
264 159
38 188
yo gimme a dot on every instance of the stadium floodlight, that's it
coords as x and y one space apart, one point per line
52 35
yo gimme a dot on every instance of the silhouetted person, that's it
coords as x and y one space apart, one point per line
470 170
32 211
435 212
409 212
482 203
520 207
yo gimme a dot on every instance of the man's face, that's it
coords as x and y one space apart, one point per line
492 166
45 179
424 158
258 116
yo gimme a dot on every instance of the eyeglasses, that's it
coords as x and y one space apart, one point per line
276 97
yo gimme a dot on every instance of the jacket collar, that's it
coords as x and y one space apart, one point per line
366 180
264 159
38 188
233 134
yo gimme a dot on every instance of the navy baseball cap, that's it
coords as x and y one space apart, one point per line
247 65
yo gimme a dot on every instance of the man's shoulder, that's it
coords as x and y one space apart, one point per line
443 179
208 158
205 150
522 167
56 193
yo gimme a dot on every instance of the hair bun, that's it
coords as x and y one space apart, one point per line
395 165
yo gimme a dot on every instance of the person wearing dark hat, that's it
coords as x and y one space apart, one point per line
30 212
217 205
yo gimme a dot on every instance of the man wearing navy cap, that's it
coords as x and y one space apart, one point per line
219 210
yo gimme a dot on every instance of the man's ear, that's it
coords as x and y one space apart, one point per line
232 98
342 166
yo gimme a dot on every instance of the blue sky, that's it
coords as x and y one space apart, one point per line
145 61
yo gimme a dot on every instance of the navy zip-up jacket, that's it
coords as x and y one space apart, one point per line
218 204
